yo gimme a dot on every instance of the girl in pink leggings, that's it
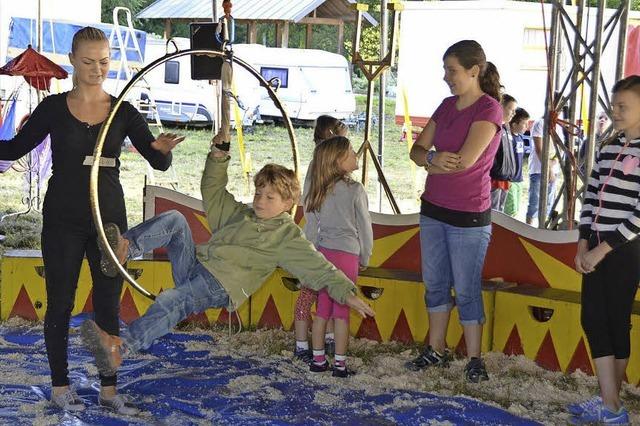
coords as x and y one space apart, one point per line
326 127
339 225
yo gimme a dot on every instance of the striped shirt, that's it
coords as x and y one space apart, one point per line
611 201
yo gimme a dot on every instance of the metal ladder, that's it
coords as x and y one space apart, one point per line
147 107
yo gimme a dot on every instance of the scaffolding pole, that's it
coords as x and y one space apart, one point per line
584 74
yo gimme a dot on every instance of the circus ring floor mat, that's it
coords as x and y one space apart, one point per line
183 380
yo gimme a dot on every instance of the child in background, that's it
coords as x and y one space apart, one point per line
326 127
607 256
339 225
518 125
246 245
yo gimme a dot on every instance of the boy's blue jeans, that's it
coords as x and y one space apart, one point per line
195 288
534 196
453 256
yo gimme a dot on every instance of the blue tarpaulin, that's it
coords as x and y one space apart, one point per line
58 35
178 383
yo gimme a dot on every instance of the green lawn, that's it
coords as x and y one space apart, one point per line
267 143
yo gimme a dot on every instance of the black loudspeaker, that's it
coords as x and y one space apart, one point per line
203 36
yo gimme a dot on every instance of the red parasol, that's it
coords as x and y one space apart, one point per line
36 69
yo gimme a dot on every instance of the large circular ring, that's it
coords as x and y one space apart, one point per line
97 152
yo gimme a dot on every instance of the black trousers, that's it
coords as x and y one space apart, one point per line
64 246
607 299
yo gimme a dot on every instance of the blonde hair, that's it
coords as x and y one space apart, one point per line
327 127
86 34
325 171
283 180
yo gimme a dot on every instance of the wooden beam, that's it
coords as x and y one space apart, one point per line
340 38
309 37
284 41
278 34
252 32
167 29
320 21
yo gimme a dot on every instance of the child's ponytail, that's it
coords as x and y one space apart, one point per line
490 81
469 54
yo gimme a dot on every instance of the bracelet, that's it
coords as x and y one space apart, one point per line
430 155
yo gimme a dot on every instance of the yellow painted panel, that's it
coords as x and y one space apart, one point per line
283 298
516 309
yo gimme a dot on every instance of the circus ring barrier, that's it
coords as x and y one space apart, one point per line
531 291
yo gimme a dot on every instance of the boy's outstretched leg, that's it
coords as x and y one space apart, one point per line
171 231
120 247
104 347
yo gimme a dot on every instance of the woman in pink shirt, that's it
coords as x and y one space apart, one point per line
457 147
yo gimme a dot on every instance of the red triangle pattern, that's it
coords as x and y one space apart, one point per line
369 330
200 319
223 318
546 357
270 317
514 343
88 304
128 310
580 360
401 331
23 307
461 348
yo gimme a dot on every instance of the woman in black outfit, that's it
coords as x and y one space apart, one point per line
73 120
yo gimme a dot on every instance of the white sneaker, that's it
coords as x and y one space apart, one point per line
68 401
120 404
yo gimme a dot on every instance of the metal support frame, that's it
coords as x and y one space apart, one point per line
585 47
373 69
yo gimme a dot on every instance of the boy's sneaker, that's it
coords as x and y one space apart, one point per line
104 347
330 347
342 372
120 247
580 407
428 358
318 368
68 401
475 370
303 355
120 404
601 415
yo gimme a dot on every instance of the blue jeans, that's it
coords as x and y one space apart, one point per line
454 256
534 196
195 288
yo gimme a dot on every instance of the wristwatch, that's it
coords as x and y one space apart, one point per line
430 155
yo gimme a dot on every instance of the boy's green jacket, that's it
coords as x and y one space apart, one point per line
244 250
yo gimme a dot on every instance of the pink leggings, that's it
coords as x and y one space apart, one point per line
347 263
327 307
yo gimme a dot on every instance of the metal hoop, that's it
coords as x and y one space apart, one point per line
97 152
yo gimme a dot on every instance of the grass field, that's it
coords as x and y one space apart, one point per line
265 144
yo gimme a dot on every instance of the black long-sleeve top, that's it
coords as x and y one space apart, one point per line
67 198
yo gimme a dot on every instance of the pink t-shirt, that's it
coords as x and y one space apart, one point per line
468 190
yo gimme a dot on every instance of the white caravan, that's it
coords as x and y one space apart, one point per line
512 35
312 83
180 100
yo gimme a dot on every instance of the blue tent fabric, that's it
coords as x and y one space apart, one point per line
58 35
8 131
178 385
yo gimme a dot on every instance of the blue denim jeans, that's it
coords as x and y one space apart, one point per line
534 196
453 256
195 288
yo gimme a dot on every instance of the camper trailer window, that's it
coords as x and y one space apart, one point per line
172 72
281 74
